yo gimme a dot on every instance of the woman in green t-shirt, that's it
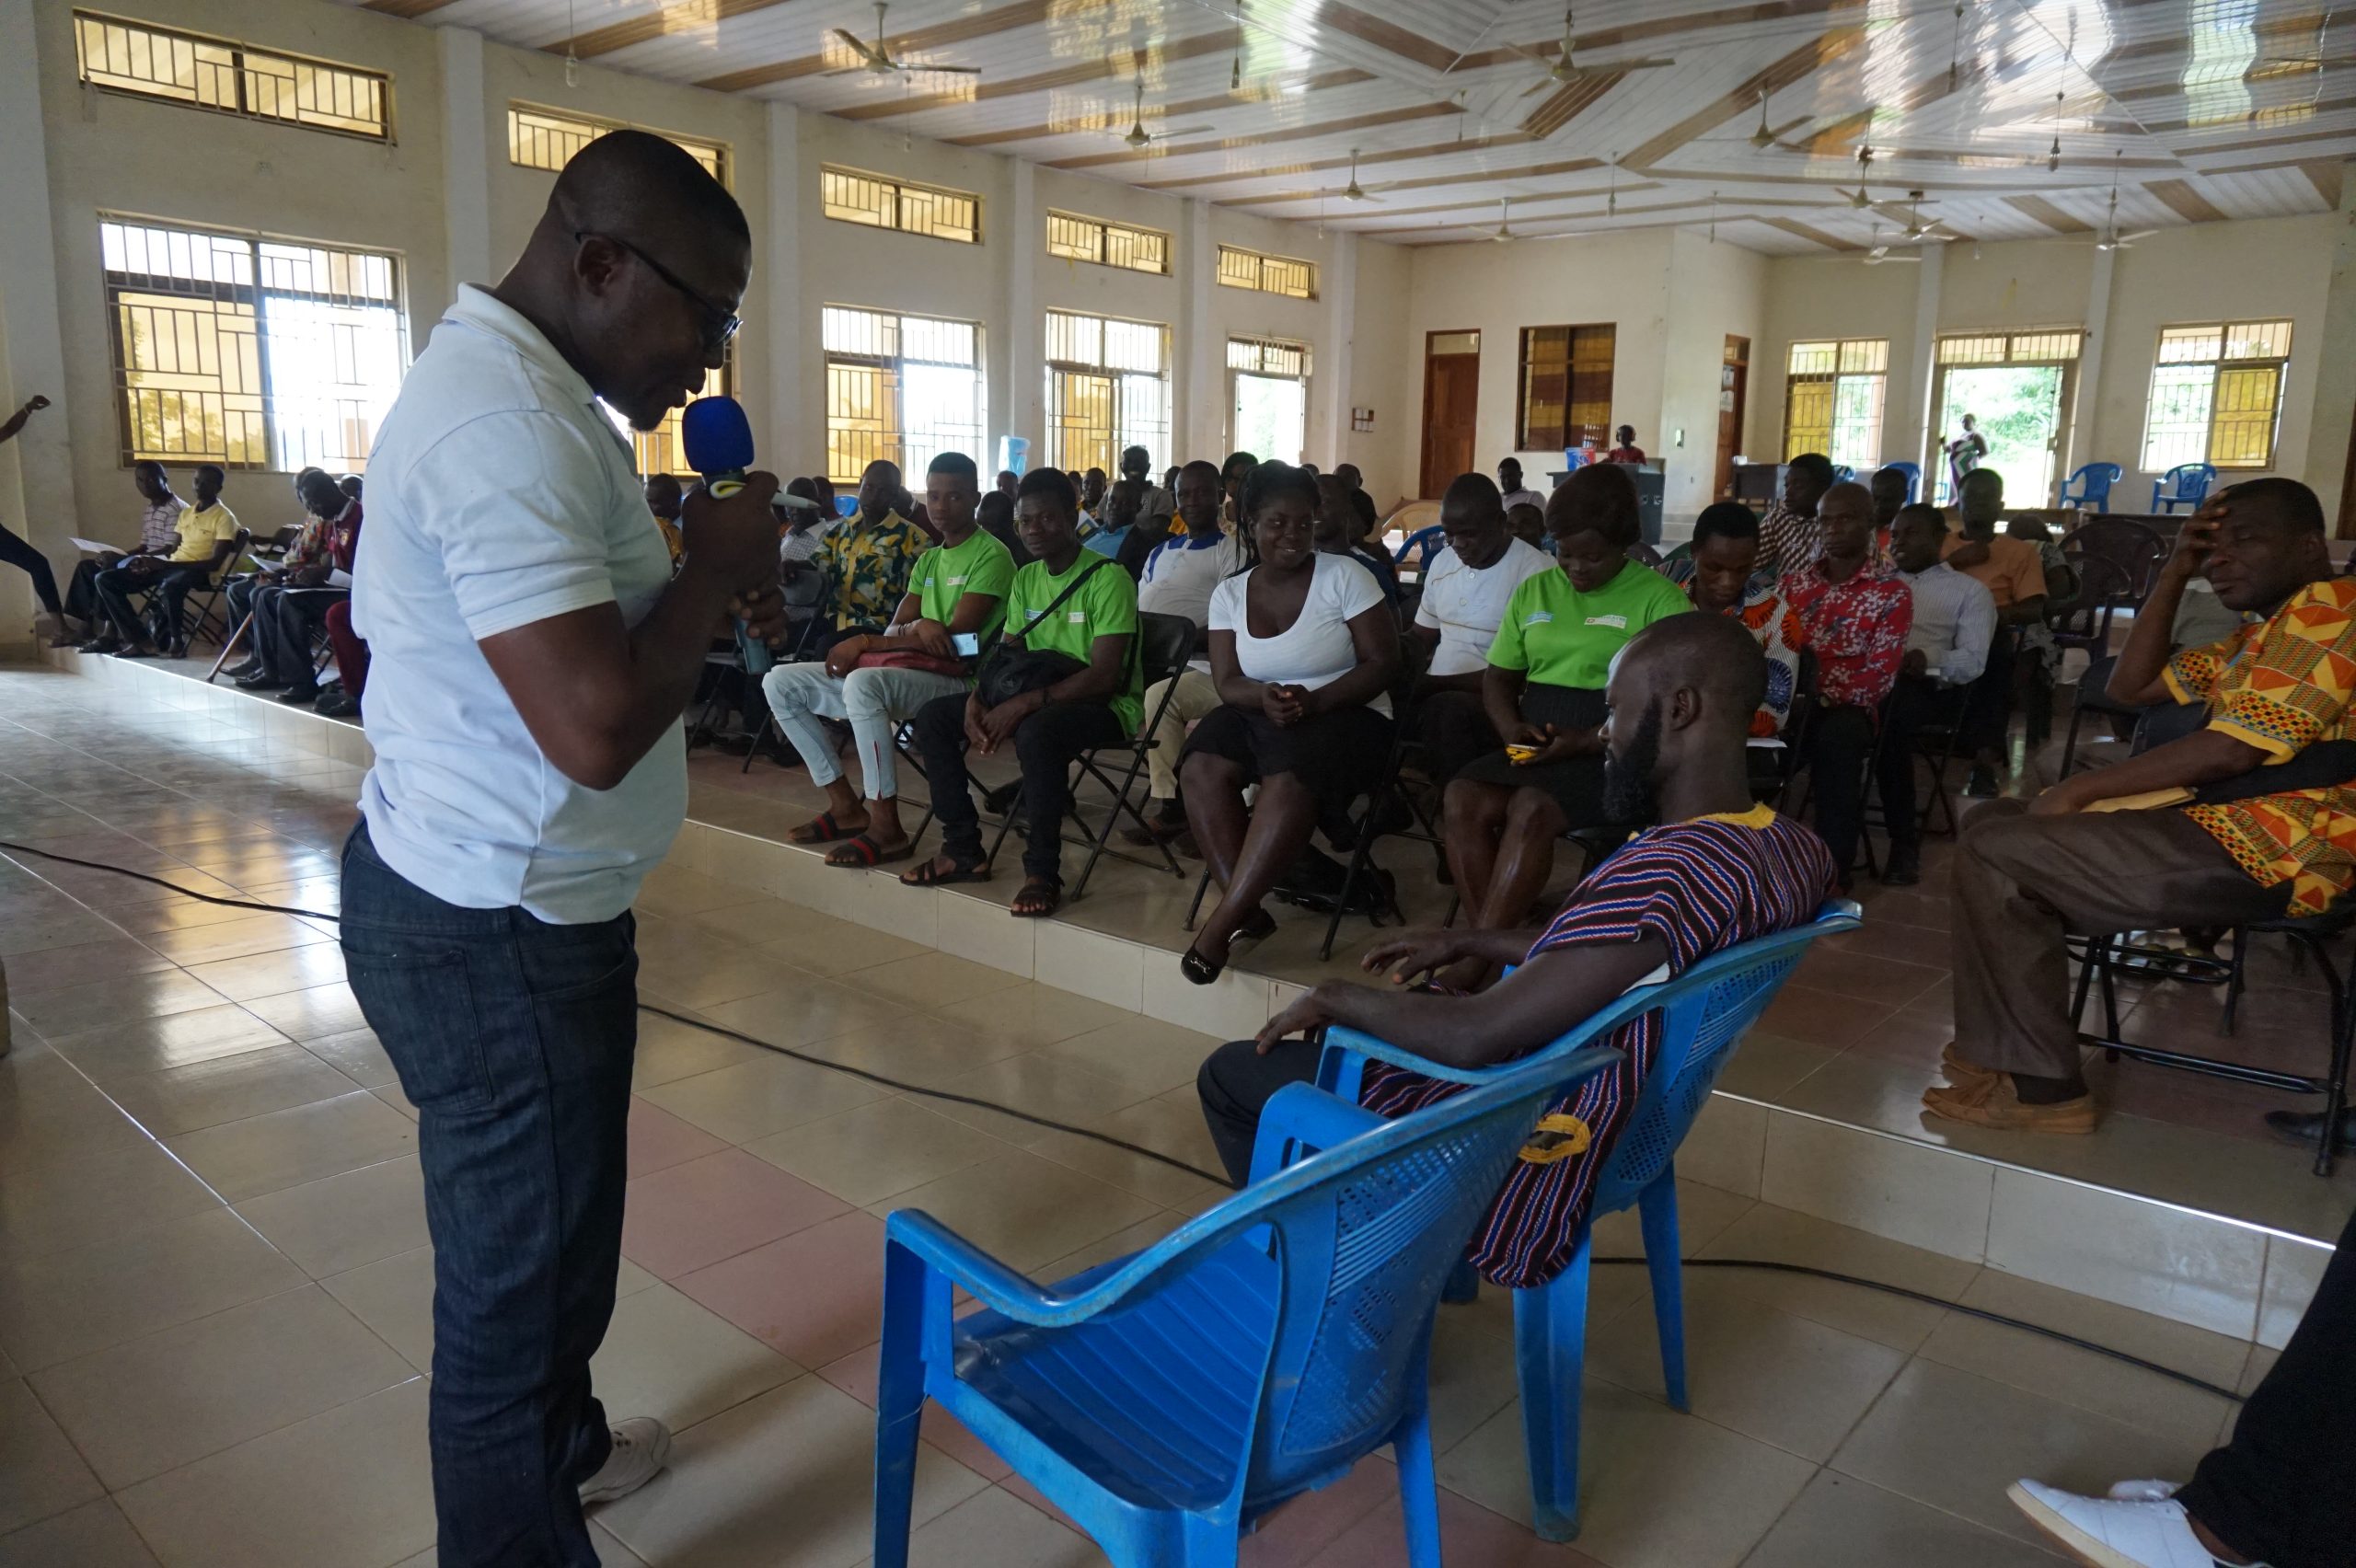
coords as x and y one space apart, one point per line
1543 691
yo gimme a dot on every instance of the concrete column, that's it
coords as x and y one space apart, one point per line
1329 383
1200 426
2077 437
1909 416
465 167
36 469
2329 436
1017 374
791 427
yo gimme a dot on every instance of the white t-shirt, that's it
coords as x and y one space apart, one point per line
1180 574
1524 497
1465 605
1316 649
499 495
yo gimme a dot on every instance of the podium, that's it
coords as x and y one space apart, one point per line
1650 487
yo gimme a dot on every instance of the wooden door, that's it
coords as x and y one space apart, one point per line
1451 394
1734 385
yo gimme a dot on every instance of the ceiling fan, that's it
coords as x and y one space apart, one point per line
1564 69
1918 229
1137 137
1354 191
1862 198
877 60
1765 136
1881 252
1502 234
2110 238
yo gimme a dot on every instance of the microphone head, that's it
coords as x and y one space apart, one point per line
717 436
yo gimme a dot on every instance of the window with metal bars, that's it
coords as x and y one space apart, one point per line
228 77
1108 388
547 138
900 388
881 201
2217 395
1108 244
661 450
1566 387
1241 269
2055 345
250 351
1832 399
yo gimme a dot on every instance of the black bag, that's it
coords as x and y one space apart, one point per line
2323 764
1009 673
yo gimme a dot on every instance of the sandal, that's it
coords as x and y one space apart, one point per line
1044 898
1198 970
1257 927
930 876
864 853
822 829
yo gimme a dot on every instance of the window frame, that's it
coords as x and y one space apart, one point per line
1105 229
894 445
240 50
1260 262
1531 437
722 157
899 189
1119 427
2217 367
1878 379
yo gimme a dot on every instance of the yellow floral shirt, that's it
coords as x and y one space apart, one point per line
867 565
2281 685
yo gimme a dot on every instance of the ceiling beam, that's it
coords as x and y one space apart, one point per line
1114 66
2184 201
409 9
1813 236
2048 215
1796 66
1269 138
1389 36
962 29
693 15
2328 176
1165 111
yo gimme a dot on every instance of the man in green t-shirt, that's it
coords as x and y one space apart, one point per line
956 591
1067 601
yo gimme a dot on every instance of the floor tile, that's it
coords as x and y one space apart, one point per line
41 1475
240 937
1146 1053
334 1225
82 963
95 1535
74 1203
114 1052
155 1404
395 1297
1468 1533
285 1148
665 1356
994 1528
668 1049
346 1489
870 1152
1051 1090
1030 1016
358 1056
120 999
932 981
1841 1522
308 1015
1304 1527
693 1216
1781 1235
61 1305
801 1014
819 944
271 974
814 1296
227 1088
49 1113
756 1098
659 1140
1023 1210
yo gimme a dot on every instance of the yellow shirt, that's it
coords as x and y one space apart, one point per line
200 529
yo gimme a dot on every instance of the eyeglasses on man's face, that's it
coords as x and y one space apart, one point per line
718 324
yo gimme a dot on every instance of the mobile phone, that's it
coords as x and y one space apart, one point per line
969 643
1519 754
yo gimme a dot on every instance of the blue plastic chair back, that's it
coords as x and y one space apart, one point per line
1842 473
1913 472
2186 484
2090 486
1422 544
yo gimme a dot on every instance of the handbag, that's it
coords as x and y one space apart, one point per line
912 659
1009 673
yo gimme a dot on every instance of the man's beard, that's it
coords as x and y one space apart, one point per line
1628 796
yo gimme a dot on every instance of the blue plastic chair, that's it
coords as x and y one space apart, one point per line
1913 472
1422 544
1167 1399
1842 473
2089 488
2186 484
1704 1012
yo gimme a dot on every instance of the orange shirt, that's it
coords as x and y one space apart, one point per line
2013 571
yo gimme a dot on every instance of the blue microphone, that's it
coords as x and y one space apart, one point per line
718 443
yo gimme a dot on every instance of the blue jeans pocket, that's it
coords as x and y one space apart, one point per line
420 1000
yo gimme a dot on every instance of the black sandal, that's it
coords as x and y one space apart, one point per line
1257 927
859 852
822 829
1049 896
928 874
1198 970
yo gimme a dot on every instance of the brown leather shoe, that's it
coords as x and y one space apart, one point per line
1992 1103
1960 1072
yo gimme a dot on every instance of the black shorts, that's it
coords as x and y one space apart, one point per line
1576 785
1339 754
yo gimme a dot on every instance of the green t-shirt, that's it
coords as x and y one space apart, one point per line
945 575
1106 605
1565 638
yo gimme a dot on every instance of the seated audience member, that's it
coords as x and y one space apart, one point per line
959 587
1717 871
1093 491
351 664
865 559
1889 485
159 537
801 529
995 516
1466 588
2013 572
826 501
1512 490
1117 517
2246 819
244 589
1337 534
1946 647
909 507
1528 523
1627 451
1157 504
1233 475
662 498
1178 580
1723 581
1543 691
208 543
350 486
287 613
1857 620
1789 536
1008 481
1370 518
1067 602
1303 652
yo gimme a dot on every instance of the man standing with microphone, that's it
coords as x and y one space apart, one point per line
533 653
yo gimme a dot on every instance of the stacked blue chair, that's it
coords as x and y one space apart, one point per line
2089 488
1705 1011
2186 484
1421 545
1913 472
1168 1400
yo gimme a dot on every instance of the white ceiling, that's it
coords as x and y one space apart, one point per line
2200 110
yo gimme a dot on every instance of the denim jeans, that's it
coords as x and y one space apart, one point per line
514 1038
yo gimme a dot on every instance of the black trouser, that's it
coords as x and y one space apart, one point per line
2284 1490
1454 727
82 593
1045 744
283 625
170 594
1916 703
116 584
1988 707
20 554
1235 1085
1839 740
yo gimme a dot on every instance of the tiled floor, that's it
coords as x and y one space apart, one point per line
214 1279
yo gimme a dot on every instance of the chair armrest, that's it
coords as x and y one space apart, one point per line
1302 1114
985 1279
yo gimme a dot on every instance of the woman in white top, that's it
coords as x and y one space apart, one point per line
1303 651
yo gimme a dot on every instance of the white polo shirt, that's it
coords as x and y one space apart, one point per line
500 494
1465 603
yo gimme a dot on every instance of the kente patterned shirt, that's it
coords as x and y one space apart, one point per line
1787 541
1781 636
1697 886
1858 629
2280 685
866 566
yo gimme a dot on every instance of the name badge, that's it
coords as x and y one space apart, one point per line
956 582
1077 617
1621 622
1538 617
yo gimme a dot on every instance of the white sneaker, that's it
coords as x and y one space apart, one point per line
2143 1491
641 1447
2109 1532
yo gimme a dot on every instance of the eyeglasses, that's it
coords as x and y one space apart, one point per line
720 323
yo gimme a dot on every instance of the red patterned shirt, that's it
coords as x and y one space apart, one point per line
1857 630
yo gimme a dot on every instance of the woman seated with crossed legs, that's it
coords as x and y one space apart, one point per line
1303 651
1543 691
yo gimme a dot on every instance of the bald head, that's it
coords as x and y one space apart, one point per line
1713 656
1846 517
636 184
1682 693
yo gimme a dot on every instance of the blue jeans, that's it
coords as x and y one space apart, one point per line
514 1038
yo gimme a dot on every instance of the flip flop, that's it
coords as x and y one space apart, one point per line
865 854
927 875
829 831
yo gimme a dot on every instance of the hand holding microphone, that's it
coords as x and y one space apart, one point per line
730 524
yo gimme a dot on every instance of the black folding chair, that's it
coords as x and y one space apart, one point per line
200 611
2085 624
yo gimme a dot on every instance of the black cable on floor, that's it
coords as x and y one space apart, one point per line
1804 1270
